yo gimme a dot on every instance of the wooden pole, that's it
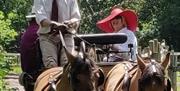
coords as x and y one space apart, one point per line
159 52
151 44
139 50
155 46
172 71
155 50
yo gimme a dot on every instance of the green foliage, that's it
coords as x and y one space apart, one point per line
162 17
6 68
14 14
147 31
7 33
178 81
94 10
16 69
170 25
3 66
157 18
16 10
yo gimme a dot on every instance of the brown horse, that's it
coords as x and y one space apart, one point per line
146 75
80 74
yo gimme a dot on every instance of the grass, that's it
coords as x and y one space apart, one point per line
2 84
16 69
178 81
178 76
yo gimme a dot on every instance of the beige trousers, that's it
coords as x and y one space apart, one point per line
50 44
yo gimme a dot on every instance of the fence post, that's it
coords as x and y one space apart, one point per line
172 71
154 46
139 50
151 45
155 50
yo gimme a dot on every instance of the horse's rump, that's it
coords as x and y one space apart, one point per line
43 79
115 76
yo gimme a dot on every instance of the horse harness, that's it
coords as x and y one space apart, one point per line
49 76
129 72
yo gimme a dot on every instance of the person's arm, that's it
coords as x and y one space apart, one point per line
133 40
75 13
41 16
45 23
124 46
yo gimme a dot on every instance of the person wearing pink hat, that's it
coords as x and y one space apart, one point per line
122 21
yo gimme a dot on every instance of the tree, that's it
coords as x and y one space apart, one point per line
7 33
160 19
169 23
157 18
14 12
94 10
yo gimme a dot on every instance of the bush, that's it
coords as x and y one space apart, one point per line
7 33
4 66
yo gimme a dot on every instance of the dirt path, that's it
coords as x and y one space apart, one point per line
13 83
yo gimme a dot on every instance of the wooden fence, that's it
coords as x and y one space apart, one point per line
156 50
174 67
12 58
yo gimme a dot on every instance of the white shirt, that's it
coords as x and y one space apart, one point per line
131 39
67 10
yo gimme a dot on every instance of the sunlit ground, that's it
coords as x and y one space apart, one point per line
16 69
178 81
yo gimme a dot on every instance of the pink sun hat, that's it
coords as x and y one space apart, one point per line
129 15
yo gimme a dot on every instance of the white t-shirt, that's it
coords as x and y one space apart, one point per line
131 39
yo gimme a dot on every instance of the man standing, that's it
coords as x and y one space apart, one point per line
48 14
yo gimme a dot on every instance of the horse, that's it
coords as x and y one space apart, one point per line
146 75
79 74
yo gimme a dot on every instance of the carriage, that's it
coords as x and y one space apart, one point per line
95 47
145 75
100 47
91 47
